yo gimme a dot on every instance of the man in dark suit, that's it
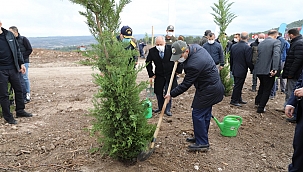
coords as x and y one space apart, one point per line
295 101
267 67
240 61
160 56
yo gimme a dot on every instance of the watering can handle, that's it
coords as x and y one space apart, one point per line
236 117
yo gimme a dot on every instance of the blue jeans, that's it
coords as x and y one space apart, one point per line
201 119
26 79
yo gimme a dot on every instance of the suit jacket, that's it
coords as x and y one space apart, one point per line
269 57
163 68
293 100
241 59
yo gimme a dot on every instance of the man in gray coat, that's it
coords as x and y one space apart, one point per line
266 68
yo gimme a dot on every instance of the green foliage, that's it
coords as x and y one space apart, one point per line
120 123
223 17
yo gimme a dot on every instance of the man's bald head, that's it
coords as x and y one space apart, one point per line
261 36
244 36
160 41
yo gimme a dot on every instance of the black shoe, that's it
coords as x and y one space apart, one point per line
23 114
195 147
292 120
261 110
157 110
168 113
235 104
13 121
242 102
191 139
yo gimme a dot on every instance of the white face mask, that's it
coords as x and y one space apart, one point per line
181 60
236 40
160 48
170 33
211 41
260 40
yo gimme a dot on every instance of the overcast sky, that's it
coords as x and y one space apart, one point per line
40 18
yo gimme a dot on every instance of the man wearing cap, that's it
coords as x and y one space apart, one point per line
169 38
126 35
160 56
11 63
201 71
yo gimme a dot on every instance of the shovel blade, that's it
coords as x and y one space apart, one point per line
144 155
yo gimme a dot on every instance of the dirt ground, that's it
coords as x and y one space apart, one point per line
56 139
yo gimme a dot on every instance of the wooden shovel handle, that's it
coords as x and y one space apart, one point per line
152 145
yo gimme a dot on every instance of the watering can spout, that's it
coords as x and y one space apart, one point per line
220 124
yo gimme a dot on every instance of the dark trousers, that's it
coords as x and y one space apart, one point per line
254 81
266 84
237 90
297 157
160 99
11 76
201 119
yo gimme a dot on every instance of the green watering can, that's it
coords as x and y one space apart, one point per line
148 108
229 126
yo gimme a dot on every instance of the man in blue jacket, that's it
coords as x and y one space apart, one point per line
11 63
215 50
295 101
201 71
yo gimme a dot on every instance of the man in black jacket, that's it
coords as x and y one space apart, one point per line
293 64
26 50
201 71
295 102
240 61
160 56
11 63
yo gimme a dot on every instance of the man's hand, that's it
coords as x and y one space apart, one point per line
167 96
221 67
23 69
298 92
272 73
289 110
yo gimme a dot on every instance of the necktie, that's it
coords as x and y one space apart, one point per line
161 53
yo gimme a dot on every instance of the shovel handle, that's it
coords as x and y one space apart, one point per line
152 145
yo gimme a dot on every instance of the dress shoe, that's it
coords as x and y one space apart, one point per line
235 104
156 110
292 120
23 114
168 113
242 102
191 139
13 121
261 110
196 147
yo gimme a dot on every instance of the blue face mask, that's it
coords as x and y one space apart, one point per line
126 40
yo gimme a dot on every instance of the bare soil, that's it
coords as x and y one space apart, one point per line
56 139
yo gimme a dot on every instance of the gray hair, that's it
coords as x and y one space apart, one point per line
161 38
244 35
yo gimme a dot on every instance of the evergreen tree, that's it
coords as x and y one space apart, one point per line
120 125
223 17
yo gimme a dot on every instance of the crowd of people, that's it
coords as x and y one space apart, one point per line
269 58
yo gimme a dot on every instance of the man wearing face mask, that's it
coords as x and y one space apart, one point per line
215 50
201 71
254 47
160 56
267 67
126 35
170 38
240 61
293 65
